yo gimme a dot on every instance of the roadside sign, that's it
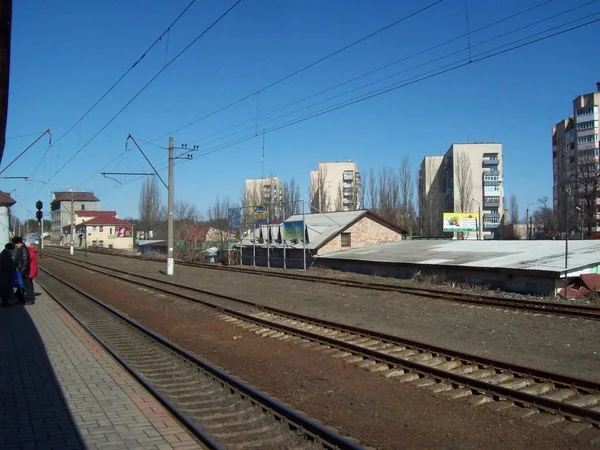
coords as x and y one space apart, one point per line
260 215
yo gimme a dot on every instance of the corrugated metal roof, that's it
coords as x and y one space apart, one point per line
526 255
320 227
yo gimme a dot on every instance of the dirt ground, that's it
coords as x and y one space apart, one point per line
377 411
562 345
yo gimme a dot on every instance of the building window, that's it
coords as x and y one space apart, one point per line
94 228
110 231
101 228
587 139
346 240
82 207
584 111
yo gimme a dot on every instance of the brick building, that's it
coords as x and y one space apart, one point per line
324 233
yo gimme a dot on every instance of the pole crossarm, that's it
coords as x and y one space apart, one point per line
147 160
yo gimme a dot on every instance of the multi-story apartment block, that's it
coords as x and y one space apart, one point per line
265 192
335 186
468 178
63 207
576 168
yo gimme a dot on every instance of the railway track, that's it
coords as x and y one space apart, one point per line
552 397
534 306
564 309
221 411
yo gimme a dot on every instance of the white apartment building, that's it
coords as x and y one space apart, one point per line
265 192
468 178
63 207
335 186
576 166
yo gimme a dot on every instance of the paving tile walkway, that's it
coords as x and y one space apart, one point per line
59 389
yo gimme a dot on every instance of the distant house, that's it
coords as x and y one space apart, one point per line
198 237
104 231
324 233
63 206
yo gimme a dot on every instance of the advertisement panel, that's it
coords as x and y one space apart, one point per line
293 230
459 222
260 215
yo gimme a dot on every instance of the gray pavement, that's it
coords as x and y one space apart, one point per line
59 389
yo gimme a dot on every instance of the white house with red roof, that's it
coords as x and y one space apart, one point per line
101 229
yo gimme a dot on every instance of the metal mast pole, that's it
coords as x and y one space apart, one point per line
170 259
303 236
71 251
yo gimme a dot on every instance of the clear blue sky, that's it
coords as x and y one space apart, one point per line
65 55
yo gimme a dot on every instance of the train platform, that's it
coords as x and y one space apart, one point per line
59 389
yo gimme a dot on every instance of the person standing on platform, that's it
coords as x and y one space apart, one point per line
22 261
33 266
7 267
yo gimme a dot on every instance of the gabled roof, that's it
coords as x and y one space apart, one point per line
321 227
6 199
105 220
76 196
88 213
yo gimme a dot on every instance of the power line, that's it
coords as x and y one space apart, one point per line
449 68
136 62
314 63
454 66
389 76
255 119
143 89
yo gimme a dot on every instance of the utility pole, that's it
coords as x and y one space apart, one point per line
71 251
170 259
568 193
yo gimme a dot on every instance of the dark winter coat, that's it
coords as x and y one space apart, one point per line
7 265
22 260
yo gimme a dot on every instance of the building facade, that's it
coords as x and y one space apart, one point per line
468 178
63 207
576 169
104 231
335 186
265 192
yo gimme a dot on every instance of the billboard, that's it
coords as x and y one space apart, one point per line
459 222
260 214
293 230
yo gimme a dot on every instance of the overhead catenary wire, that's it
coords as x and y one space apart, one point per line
475 59
453 53
451 67
304 68
175 58
114 85
406 58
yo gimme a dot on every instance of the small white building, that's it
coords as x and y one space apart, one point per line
106 232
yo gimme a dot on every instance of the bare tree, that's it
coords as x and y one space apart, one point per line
217 216
185 220
339 199
371 194
389 195
514 209
464 183
407 196
320 201
150 205
544 217
291 198
587 191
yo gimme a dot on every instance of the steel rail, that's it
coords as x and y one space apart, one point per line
454 379
285 412
580 311
192 426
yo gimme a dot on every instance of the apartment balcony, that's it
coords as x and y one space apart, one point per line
491 182
491 202
488 216
491 161
490 225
